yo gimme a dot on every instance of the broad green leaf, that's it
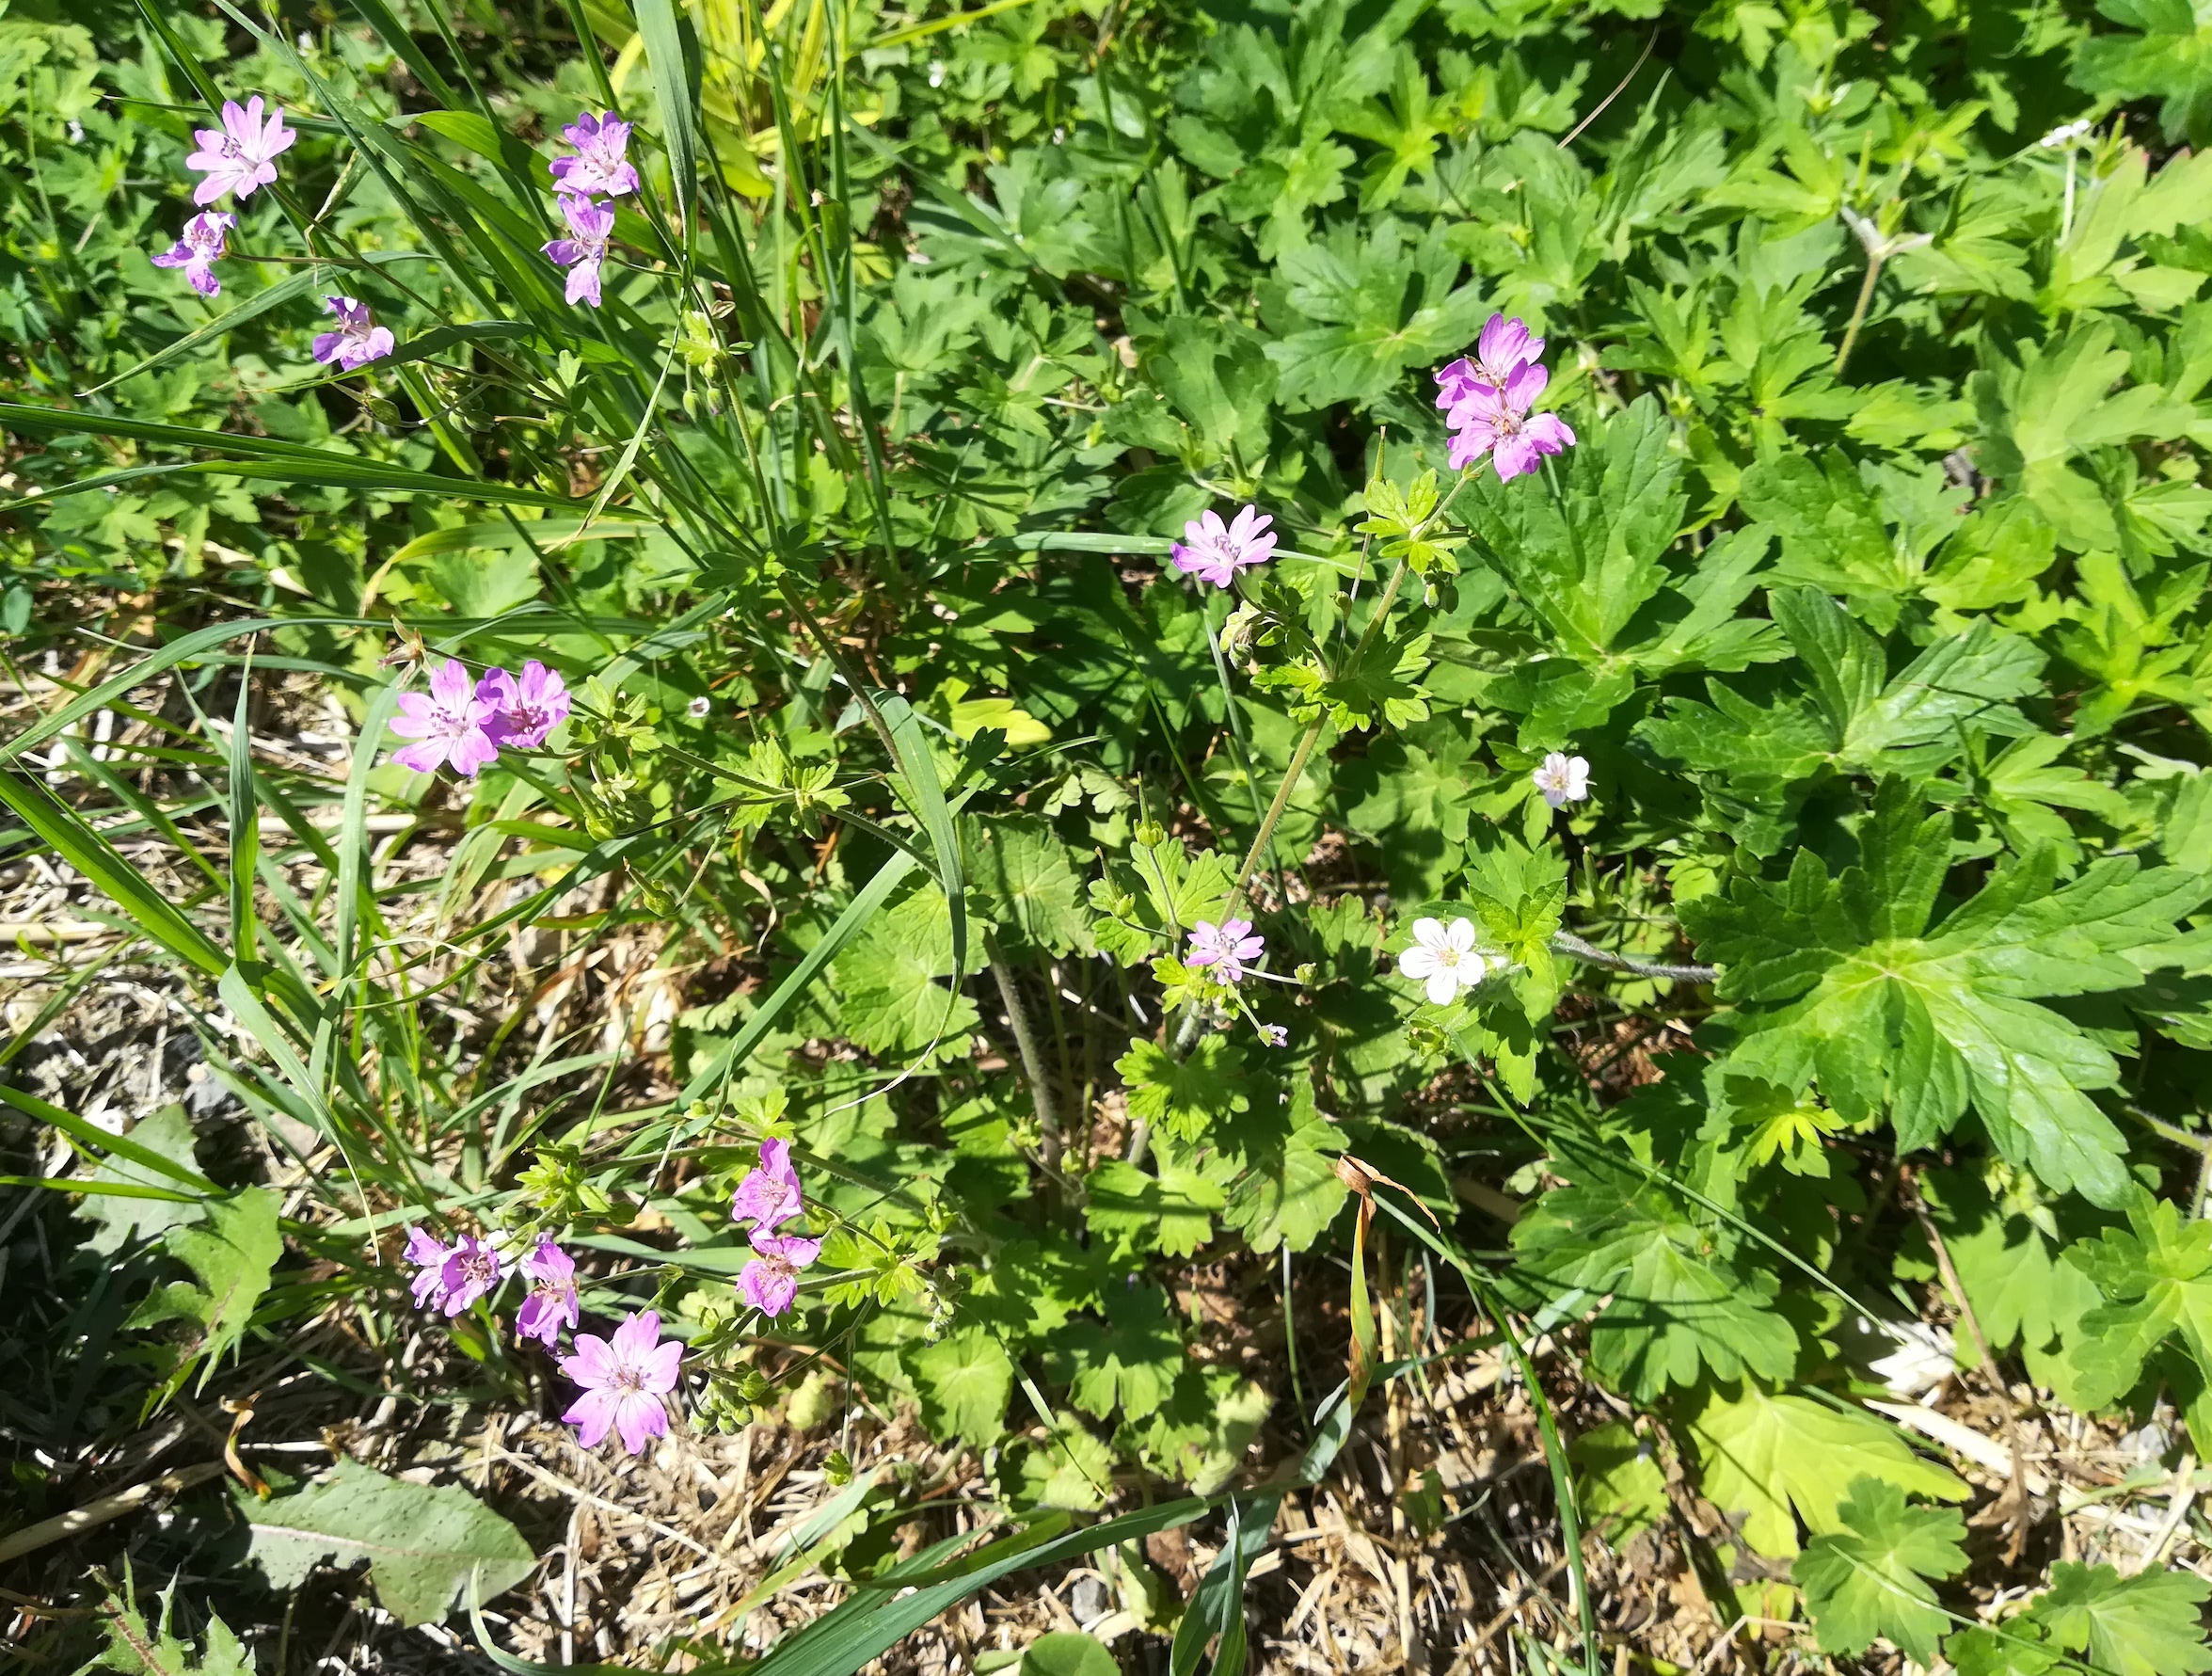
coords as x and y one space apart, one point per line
965 1379
1377 302
426 1545
125 1221
1172 1213
2145 1625
1184 1098
1843 981
2155 1278
1871 1577
1132 1361
1766 1456
1066 1653
233 1252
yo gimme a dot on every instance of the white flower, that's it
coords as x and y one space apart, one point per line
1445 959
1563 779
699 707
2066 134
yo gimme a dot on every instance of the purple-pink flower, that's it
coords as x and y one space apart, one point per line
1225 948
528 707
601 163
770 1280
552 1304
240 155
590 226
359 339
472 1269
1503 349
198 247
769 1194
428 1255
1214 552
623 1380
453 723
1498 423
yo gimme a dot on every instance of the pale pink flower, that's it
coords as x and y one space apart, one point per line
590 226
552 1304
473 1268
428 1255
770 1280
1562 779
1225 948
1498 423
241 154
1275 1035
1503 349
1214 552
769 1195
198 248
526 708
624 1381
452 722
359 339
601 163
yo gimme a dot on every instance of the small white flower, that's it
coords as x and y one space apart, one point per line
936 72
1563 779
2066 134
699 707
76 133
1445 959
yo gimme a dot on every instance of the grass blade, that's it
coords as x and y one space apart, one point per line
672 86
246 819
919 770
66 833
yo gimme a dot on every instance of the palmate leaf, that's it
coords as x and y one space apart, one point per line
1843 979
1766 1456
1869 1578
2155 1277
1132 1363
965 1379
1172 1213
1184 1098
1377 303
2144 1625
1681 1308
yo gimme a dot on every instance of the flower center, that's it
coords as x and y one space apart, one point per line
628 1381
232 149
1447 956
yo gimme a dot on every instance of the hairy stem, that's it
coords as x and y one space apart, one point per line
1858 312
1568 943
1017 1015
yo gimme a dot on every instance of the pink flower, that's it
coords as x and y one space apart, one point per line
590 226
624 1381
472 1269
1214 552
357 341
428 1256
552 1304
1503 349
600 163
1225 948
240 155
526 708
452 721
199 248
769 1195
770 1280
1498 423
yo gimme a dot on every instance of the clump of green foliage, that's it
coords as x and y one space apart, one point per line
1875 594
